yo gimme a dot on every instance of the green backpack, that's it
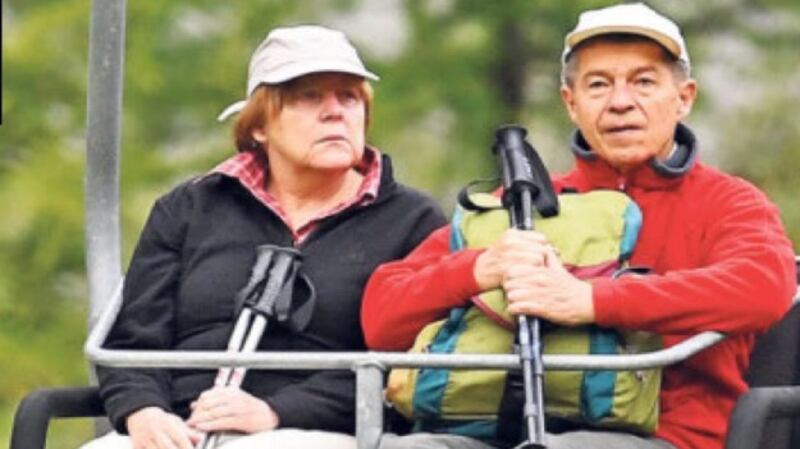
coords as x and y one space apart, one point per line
595 234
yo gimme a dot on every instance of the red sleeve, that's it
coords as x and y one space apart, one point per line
401 297
745 282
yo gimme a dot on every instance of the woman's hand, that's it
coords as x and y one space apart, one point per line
153 428
231 409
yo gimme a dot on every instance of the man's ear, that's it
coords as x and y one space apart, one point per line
687 93
568 97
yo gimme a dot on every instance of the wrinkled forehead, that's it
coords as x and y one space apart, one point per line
620 56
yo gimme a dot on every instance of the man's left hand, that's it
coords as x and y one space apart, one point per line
549 292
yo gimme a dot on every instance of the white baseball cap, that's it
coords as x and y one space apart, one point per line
291 52
629 18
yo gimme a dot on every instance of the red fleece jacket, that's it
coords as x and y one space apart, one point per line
721 261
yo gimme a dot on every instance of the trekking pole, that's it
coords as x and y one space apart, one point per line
268 294
526 185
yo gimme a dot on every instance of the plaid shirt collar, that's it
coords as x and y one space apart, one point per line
250 168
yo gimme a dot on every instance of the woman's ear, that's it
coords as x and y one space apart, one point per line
259 135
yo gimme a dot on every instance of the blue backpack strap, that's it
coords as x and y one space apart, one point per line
431 382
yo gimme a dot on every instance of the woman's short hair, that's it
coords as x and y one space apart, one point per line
266 103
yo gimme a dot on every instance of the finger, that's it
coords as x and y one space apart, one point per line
211 393
197 419
523 298
552 259
137 443
520 269
144 439
534 237
199 416
523 308
523 252
196 415
517 293
521 234
221 423
218 412
180 439
162 440
234 394
527 247
182 434
521 275
195 436
211 399
520 239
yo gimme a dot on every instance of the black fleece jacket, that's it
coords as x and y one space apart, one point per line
195 254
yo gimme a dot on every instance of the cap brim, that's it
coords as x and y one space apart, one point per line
233 109
294 70
297 69
673 47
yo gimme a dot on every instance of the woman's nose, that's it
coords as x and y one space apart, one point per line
331 106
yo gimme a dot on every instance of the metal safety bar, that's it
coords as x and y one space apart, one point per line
369 366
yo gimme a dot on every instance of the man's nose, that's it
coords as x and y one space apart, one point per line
621 97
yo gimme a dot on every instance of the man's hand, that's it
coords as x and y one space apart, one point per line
153 428
548 291
514 248
231 409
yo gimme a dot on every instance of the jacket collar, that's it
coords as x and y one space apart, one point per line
654 174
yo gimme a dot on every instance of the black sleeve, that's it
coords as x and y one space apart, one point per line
430 218
146 318
324 401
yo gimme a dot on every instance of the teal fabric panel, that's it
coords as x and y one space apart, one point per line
457 241
478 429
597 392
431 382
630 230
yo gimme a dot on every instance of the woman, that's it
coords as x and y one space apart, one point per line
303 178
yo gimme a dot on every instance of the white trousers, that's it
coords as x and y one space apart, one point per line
274 439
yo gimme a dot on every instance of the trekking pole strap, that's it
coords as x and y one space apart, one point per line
522 170
274 297
271 291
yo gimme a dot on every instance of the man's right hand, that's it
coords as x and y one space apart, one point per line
514 248
153 428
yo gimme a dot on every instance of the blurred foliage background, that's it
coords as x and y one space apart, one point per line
452 71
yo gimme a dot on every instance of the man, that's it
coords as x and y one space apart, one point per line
720 257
